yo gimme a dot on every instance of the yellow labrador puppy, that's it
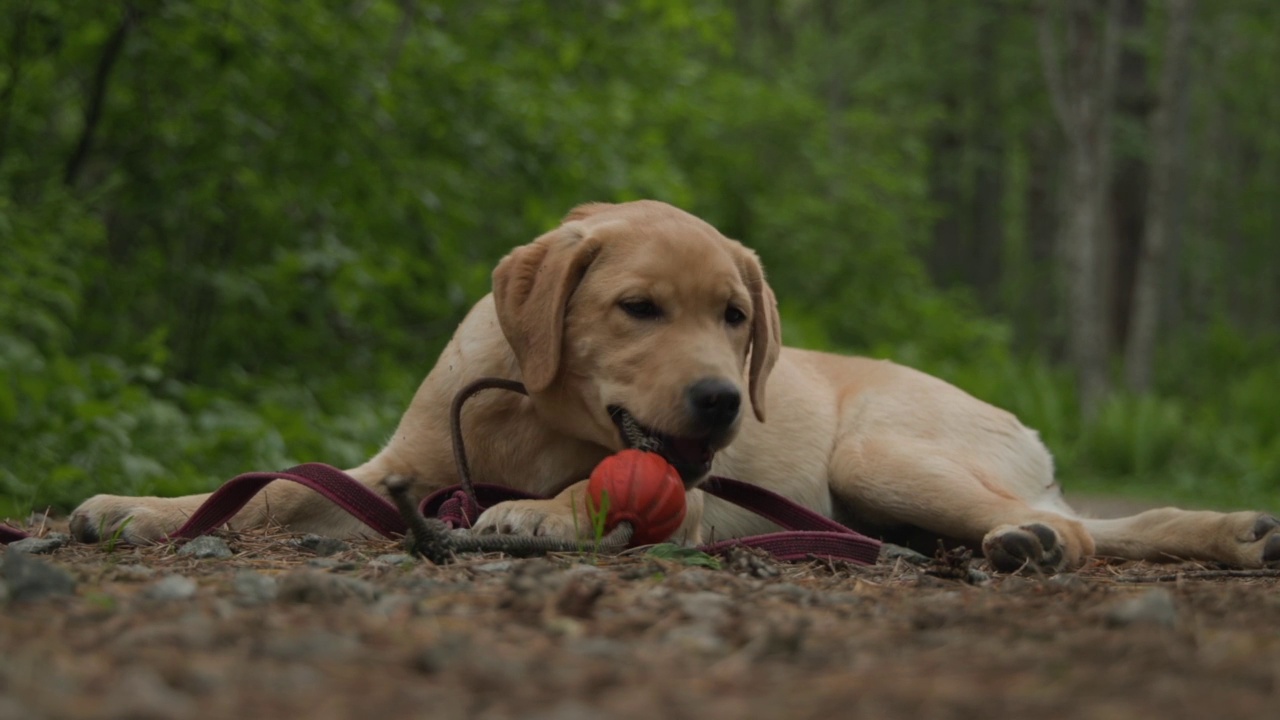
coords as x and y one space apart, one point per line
638 324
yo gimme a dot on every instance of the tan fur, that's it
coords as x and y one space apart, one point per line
875 443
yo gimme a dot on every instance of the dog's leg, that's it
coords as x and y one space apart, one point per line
141 520
1244 539
921 485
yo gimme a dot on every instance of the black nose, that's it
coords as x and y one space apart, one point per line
713 403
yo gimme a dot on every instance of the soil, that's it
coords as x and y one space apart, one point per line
277 631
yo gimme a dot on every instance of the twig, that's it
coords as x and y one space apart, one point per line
433 540
1203 575
111 52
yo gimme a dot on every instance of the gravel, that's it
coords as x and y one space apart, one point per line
28 579
206 547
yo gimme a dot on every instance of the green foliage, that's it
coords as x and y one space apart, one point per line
683 555
253 249
599 516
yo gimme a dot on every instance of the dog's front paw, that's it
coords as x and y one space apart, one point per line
121 519
1256 539
547 518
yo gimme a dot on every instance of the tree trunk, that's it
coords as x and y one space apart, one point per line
986 230
1081 86
1168 140
1130 180
1040 316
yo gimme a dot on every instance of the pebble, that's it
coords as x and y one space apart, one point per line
320 588
27 578
599 648
1153 607
140 692
704 606
323 546
309 646
206 547
494 567
698 637
40 546
328 563
890 552
170 587
134 572
393 560
789 591
253 588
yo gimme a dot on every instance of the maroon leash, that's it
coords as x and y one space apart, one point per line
10 534
806 533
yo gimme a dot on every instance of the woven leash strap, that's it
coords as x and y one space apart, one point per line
336 486
10 534
806 534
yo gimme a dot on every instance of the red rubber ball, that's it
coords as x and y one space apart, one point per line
644 490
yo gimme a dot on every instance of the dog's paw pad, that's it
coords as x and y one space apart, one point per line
1035 546
1271 551
1264 525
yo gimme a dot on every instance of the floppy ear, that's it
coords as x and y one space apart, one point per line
531 289
586 210
766 327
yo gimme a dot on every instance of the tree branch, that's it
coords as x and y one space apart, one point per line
97 94
1051 62
15 76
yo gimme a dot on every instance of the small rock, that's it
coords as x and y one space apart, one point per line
890 552
977 577
252 588
752 562
578 597
789 591
392 605
1069 582
599 648
309 646
40 546
30 579
1153 607
171 587
134 572
393 560
323 546
494 567
140 692
704 606
696 578
328 563
1015 584
310 586
446 652
698 638
206 547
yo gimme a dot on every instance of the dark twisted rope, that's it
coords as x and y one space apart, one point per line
455 425
433 540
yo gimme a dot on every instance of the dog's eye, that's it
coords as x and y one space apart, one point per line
641 309
734 316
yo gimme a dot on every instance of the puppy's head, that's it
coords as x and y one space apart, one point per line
639 325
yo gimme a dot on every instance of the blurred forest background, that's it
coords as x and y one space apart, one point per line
236 234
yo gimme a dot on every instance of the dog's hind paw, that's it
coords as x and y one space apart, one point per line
1034 546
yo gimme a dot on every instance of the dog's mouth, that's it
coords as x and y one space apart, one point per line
690 456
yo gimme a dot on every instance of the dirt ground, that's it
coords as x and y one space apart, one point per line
278 631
